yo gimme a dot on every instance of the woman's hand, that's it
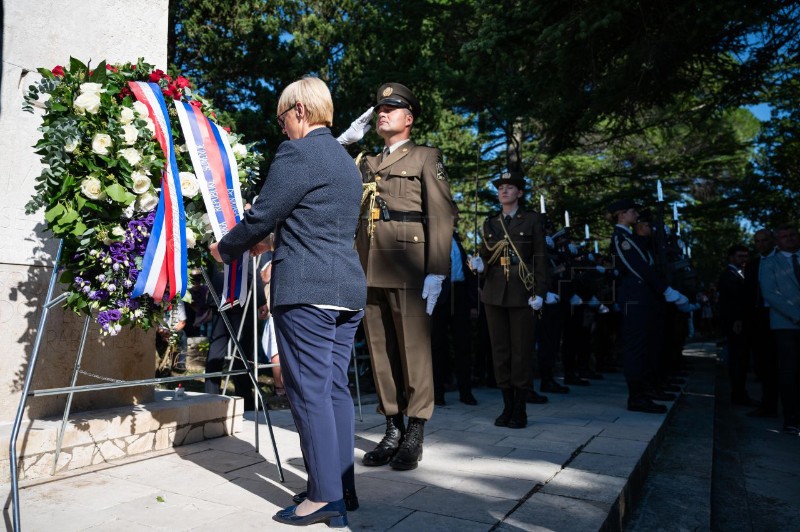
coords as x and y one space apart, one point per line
214 250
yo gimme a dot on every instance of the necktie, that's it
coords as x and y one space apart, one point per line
385 154
507 220
796 265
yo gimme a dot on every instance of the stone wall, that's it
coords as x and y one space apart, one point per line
46 33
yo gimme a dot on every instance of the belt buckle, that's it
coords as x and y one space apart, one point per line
375 214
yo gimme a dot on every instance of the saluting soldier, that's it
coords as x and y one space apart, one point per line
404 241
639 292
513 258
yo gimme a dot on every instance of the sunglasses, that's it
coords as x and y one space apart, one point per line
281 120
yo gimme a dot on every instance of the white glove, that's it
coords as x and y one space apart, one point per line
535 302
602 309
573 249
671 295
575 300
476 263
551 298
357 129
686 307
590 256
594 302
600 269
549 241
682 301
431 290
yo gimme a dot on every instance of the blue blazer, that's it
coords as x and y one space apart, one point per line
781 291
311 200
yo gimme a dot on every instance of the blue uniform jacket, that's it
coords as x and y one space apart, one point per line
639 281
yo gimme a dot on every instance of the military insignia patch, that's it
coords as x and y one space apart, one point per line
387 91
625 245
441 173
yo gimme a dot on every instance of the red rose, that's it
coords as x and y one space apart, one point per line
126 91
58 71
226 128
112 68
182 82
213 115
196 103
156 75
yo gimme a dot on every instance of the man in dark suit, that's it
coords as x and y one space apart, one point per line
756 327
403 240
732 305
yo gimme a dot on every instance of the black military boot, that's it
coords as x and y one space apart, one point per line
508 408
519 417
388 446
410 452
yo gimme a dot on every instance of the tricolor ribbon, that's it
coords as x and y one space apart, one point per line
215 167
164 262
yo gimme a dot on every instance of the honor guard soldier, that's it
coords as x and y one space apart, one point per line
639 292
513 259
404 242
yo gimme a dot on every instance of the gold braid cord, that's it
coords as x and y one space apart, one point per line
502 248
368 199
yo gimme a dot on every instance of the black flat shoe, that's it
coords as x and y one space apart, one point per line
553 387
534 398
350 499
643 404
333 512
577 381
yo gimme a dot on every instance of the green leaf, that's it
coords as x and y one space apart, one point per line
79 228
118 193
99 73
54 213
75 65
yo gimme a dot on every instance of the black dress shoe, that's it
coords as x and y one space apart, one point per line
670 388
763 412
552 386
576 381
534 398
410 452
333 512
744 400
467 398
383 453
589 374
643 404
350 499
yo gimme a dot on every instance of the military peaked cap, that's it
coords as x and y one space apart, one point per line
398 95
511 178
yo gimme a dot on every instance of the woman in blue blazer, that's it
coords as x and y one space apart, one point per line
310 202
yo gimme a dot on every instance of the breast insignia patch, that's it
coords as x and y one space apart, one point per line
441 173
625 245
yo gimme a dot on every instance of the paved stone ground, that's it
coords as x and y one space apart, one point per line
575 467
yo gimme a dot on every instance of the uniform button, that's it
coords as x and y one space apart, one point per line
416 239
522 234
403 172
377 193
377 178
405 150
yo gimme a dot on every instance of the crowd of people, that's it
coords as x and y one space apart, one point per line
375 244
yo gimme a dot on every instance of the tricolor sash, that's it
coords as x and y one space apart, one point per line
217 173
164 261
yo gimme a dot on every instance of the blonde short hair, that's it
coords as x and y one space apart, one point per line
315 97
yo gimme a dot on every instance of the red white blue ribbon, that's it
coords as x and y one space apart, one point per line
164 263
217 173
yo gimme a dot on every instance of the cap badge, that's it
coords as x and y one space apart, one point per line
506 175
625 245
387 91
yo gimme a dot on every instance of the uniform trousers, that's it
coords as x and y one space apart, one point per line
639 330
451 316
315 346
788 343
548 335
577 339
512 331
399 338
765 357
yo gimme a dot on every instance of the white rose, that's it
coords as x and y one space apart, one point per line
127 115
131 155
190 238
91 88
87 103
118 231
206 223
182 148
141 183
129 134
140 108
151 126
128 211
239 151
100 144
71 145
189 184
92 188
146 202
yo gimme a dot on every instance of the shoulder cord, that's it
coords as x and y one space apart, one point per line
368 193
502 247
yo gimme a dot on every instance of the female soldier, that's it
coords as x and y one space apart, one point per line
513 259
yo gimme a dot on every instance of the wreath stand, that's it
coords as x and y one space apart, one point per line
114 383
